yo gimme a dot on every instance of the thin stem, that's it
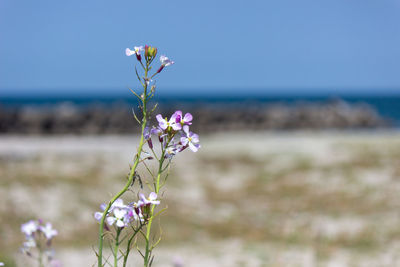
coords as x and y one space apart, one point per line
40 258
128 246
131 175
116 247
157 189
40 255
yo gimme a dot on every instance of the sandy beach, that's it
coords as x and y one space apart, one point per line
245 199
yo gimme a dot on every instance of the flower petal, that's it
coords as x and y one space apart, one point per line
120 223
119 203
184 141
129 52
159 118
110 220
119 213
103 206
98 216
188 118
186 129
195 138
193 147
152 196
143 198
176 126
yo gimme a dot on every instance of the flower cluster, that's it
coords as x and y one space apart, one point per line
39 235
33 231
123 215
150 53
167 131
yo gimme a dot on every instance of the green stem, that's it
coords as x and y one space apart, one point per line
130 178
116 247
148 230
128 246
40 258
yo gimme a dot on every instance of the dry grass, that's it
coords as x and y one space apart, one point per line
265 200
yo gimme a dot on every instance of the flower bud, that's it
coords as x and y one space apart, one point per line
146 210
150 143
150 52
183 148
154 52
146 51
160 69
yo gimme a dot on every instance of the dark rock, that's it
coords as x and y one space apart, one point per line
118 117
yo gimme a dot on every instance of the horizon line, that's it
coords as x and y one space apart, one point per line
248 92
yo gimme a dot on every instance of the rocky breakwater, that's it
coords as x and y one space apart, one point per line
116 118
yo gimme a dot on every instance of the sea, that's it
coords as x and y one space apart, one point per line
387 106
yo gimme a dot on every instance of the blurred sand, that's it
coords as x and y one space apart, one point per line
245 199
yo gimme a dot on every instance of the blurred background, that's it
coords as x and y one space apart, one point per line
297 104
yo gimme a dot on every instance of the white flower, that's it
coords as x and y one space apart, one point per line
165 61
120 218
190 139
98 216
137 210
31 243
173 122
119 203
48 231
30 227
136 51
120 215
171 151
152 199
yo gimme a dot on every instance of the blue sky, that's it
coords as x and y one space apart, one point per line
264 46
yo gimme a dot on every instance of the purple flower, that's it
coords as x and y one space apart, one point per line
137 210
147 136
190 139
98 215
27 245
119 214
159 132
178 262
119 203
48 231
164 124
187 119
32 227
152 199
156 131
55 263
165 62
146 133
171 151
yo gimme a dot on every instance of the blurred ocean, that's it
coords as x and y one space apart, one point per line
386 106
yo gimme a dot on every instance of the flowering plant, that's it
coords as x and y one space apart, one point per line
38 241
122 225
